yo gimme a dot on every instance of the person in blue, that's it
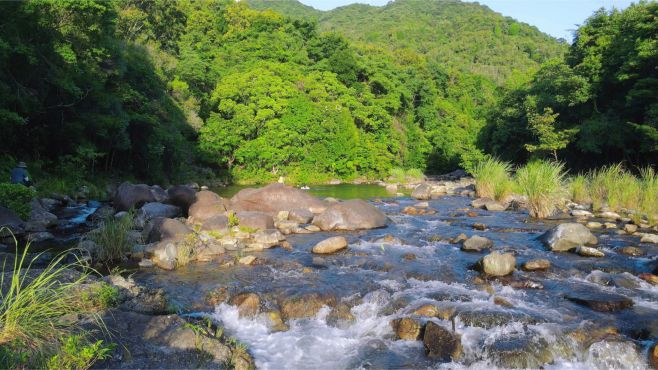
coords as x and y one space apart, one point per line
19 175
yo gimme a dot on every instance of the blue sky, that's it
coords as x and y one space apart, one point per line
555 17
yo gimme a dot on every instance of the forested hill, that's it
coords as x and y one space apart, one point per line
466 36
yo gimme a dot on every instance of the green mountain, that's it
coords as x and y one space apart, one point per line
464 36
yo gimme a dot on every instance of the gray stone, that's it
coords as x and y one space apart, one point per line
269 237
351 215
589 252
497 264
216 223
255 220
300 215
649 238
476 244
568 236
330 245
422 192
440 343
152 210
132 196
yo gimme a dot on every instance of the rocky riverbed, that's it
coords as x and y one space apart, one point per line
439 280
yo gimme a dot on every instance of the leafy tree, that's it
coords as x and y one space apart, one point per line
550 139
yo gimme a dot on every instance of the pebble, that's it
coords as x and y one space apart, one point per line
581 213
631 251
247 260
538 264
589 252
610 225
630 228
594 225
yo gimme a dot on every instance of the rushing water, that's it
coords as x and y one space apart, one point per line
380 282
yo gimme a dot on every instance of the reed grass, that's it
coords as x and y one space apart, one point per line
543 183
112 237
492 179
579 189
649 197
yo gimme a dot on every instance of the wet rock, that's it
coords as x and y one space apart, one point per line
609 215
255 220
589 252
490 318
274 198
218 222
305 305
476 243
481 202
631 251
479 226
276 322
567 236
630 228
153 210
500 301
139 298
331 245
407 328
422 192
340 316
130 196
497 264
165 228
538 264
351 215
409 257
600 301
514 352
430 310
269 237
614 354
649 238
247 260
594 225
649 278
526 284
248 304
389 240
440 343
459 238
41 236
653 356
301 215
164 254
182 196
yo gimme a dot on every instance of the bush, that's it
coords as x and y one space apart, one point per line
543 183
112 237
17 198
78 354
100 296
35 309
492 178
579 189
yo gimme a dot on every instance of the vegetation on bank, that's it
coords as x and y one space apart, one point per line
17 198
39 308
547 187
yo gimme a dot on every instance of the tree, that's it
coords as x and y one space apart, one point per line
550 139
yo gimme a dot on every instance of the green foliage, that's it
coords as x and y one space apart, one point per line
76 353
17 198
579 189
649 197
492 178
402 176
34 307
233 219
100 296
112 237
550 140
543 183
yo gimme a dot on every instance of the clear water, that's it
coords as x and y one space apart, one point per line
342 191
379 284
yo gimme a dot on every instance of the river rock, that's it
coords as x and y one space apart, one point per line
407 328
653 356
601 301
182 196
301 215
331 245
248 304
594 225
631 251
40 236
490 318
139 298
497 264
10 220
440 343
305 305
255 220
476 243
351 215
165 253
130 196
609 215
519 352
495 206
649 238
217 222
538 264
567 236
247 260
274 198
206 207
630 228
269 237
152 210
422 192
39 219
581 213
649 278
165 228
589 251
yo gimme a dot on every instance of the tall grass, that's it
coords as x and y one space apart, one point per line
112 237
649 197
36 309
543 183
579 189
492 178
616 188
402 176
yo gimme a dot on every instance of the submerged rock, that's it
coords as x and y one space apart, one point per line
305 305
567 236
514 352
351 215
248 304
330 245
538 264
631 251
440 343
600 301
497 264
407 328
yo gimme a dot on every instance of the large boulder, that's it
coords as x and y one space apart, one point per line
182 196
153 210
300 215
440 343
422 192
216 223
351 215
255 220
40 218
407 328
207 205
331 245
130 196
567 236
305 305
274 198
159 194
9 219
248 304
497 264
476 243
165 228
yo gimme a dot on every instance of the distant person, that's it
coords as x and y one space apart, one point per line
19 175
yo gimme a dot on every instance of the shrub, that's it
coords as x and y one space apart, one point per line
543 183
112 237
76 353
414 175
579 189
492 178
17 198
397 175
100 296
35 309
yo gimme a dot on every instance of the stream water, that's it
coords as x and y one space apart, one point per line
382 281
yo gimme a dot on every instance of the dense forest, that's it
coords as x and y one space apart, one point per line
165 90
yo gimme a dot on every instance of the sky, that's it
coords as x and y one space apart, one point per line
555 17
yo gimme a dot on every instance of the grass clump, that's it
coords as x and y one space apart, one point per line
543 183
579 189
100 296
616 188
112 237
37 308
402 176
492 178
77 353
649 196
186 250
